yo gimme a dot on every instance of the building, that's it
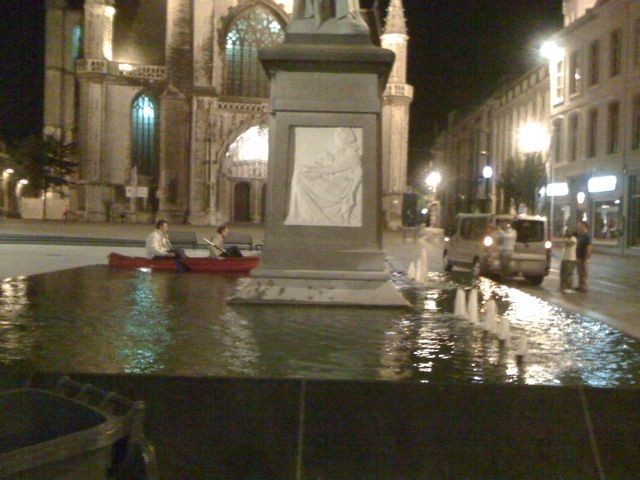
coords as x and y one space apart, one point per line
166 100
595 119
580 112
475 147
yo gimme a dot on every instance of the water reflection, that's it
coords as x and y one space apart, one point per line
97 320
16 339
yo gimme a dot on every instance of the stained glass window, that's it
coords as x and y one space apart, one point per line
76 42
143 129
244 76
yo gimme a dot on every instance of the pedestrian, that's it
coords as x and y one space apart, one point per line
507 238
583 254
568 263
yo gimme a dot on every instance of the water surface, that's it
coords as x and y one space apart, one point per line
98 320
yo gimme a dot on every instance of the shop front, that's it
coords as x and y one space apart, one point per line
605 208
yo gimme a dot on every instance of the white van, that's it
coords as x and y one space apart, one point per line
471 244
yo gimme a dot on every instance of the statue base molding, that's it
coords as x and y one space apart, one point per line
335 288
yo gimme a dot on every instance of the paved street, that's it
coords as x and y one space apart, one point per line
614 296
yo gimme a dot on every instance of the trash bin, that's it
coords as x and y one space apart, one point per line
77 432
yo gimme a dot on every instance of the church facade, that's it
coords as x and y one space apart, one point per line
167 103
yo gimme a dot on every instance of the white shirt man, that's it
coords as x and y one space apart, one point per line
507 237
158 244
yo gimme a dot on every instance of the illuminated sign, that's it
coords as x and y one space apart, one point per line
557 189
602 184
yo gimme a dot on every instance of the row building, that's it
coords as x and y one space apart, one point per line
580 111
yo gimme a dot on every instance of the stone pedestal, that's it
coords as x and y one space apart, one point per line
323 240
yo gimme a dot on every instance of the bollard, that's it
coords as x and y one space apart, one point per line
460 308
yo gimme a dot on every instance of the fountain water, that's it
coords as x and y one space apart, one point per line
411 271
523 349
460 309
504 331
490 311
472 306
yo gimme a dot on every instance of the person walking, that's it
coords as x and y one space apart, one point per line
507 238
568 263
583 254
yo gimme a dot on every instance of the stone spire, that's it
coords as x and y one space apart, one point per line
396 22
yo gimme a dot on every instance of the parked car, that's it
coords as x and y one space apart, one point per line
472 243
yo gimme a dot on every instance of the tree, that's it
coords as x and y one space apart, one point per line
46 163
522 178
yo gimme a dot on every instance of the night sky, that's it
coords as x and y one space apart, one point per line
460 51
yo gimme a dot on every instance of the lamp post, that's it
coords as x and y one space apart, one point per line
6 175
19 186
487 174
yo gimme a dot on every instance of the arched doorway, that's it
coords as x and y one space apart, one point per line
245 173
242 202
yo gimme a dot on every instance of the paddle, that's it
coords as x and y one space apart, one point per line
222 251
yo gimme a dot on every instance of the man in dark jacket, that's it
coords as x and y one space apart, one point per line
583 254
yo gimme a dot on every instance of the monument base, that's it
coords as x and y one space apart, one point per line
320 288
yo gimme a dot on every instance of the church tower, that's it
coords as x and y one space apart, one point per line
397 98
93 70
63 32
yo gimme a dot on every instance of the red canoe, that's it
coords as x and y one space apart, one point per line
244 264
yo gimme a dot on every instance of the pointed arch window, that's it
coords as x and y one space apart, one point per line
244 76
76 42
144 113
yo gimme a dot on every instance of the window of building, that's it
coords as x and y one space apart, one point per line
573 138
592 134
636 42
144 115
557 141
615 53
635 141
594 63
575 73
76 42
244 76
560 81
613 131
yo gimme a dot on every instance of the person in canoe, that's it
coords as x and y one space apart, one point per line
158 244
216 245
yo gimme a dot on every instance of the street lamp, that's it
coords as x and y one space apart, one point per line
433 180
551 51
532 138
6 174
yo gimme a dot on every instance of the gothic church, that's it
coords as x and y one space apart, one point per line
166 101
